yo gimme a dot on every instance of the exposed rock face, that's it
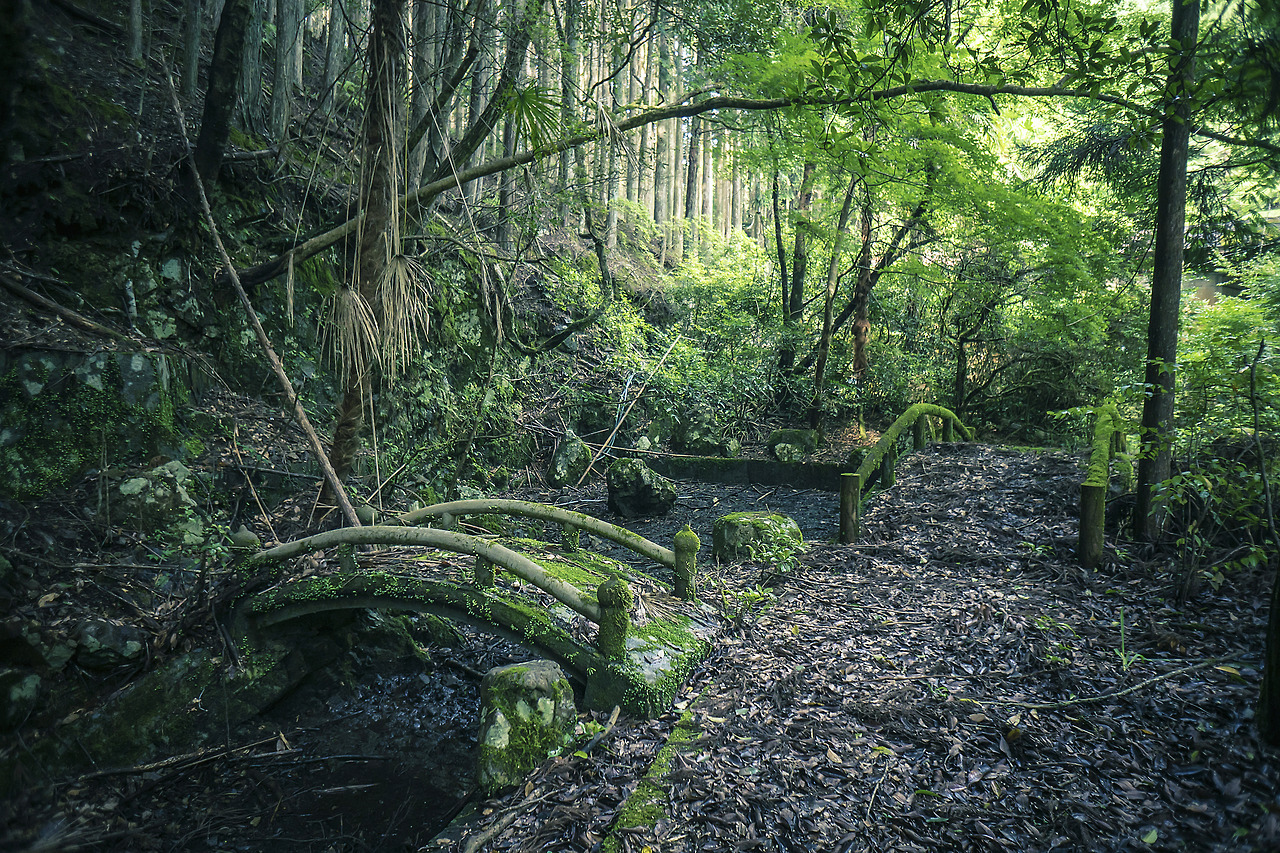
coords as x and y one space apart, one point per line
635 490
733 536
526 714
570 460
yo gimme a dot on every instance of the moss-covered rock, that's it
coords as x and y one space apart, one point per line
806 440
526 714
743 534
569 462
635 490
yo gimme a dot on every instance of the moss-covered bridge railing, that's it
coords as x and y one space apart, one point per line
880 460
637 666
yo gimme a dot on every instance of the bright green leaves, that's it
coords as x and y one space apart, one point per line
536 110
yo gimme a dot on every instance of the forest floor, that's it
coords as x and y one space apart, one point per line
953 681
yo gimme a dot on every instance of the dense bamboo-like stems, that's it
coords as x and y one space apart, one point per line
1166 277
330 476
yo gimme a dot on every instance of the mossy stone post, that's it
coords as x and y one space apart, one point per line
918 435
948 429
686 568
886 467
448 521
484 575
571 536
850 498
1093 505
615 598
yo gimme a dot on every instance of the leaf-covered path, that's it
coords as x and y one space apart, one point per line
952 682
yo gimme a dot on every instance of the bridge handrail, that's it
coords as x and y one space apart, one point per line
906 419
881 456
546 512
461 543
1108 432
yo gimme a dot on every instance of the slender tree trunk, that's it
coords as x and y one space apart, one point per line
799 267
135 31
662 135
334 54
833 280
282 84
570 71
383 126
191 21
220 97
644 183
480 83
299 42
1166 279
692 187
249 83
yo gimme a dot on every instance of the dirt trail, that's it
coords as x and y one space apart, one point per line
952 682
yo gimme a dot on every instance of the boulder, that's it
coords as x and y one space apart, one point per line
787 452
158 499
804 440
569 462
698 434
19 692
103 645
635 490
526 714
741 534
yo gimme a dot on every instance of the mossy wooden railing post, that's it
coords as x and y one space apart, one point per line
918 432
686 567
615 599
484 574
948 430
850 499
888 476
1093 491
572 537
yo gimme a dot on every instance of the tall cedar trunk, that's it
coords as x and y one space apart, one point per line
570 63
644 186
191 21
861 298
299 41
423 17
249 82
662 134
282 84
799 266
1166 277
135 30
220 97
833 279
382 134
479 83
692 188
782 248
334 53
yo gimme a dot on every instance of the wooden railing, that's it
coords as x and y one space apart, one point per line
1108 440
884 455
611 610
681 559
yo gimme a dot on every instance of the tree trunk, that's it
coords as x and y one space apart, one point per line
220 97
191 21
1166 278
135 31
692 187
424 66
381 163
335 53
833 279
795 295
249 82
570 71
282 84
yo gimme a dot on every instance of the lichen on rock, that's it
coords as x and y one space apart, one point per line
526 714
